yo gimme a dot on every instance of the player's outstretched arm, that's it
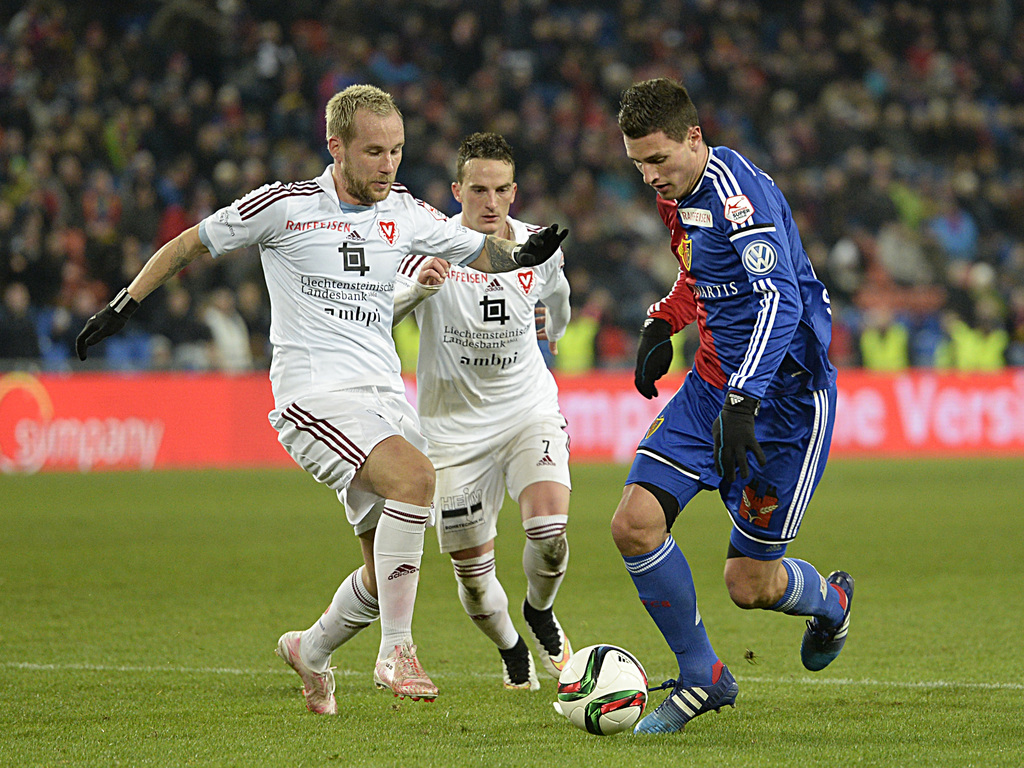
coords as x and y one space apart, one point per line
429 280
164 264
500 255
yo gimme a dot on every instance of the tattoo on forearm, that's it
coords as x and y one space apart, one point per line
500 253
180 258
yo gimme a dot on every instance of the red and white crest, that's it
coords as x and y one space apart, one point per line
738 209
388 230
525 281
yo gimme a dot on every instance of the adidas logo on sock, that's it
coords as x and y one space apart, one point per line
546 462
403 570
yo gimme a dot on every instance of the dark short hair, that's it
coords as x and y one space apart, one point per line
656 105
483 146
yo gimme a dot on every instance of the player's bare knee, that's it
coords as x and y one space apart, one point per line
415 484
746 593
630 537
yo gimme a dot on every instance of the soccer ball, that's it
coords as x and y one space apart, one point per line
602 689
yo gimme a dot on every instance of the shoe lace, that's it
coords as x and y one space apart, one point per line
820 632
409 664
324 682
670 683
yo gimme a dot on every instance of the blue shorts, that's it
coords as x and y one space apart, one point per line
766 508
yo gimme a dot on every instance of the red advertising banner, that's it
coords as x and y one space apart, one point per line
93 422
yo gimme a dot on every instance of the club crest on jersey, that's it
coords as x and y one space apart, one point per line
525 281
388 230
759 257
654 427
738 209
685 251
758 509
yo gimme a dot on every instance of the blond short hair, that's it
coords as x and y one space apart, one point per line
341 109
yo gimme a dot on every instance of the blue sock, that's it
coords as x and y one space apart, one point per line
665 585
808 594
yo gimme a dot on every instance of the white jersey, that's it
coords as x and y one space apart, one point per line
330 270
480 370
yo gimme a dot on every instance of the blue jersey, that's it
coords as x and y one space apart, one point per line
763 316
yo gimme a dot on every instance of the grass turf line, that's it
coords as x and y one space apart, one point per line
134 606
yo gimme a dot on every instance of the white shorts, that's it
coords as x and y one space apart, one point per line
330 436
472 478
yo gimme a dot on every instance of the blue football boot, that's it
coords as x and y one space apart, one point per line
821 644
685 703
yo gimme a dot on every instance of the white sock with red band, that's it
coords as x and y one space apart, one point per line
485 600
352 609
397 553
545 558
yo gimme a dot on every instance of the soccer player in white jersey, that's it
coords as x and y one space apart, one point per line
330 249
478 356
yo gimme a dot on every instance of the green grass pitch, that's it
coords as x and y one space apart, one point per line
139 613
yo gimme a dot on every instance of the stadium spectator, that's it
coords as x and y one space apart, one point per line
884 342
761 386
844 108
19 339
340 407
489 410
231 345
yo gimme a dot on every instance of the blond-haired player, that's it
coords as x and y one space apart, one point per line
331 247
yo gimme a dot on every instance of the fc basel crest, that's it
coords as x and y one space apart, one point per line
758 508
654 426
685 251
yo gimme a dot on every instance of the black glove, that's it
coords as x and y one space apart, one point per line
106 322
653 355
539 247
734 436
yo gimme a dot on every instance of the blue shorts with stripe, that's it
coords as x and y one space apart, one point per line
767 507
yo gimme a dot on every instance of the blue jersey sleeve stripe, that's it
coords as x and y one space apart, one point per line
727 173
723 193
762 332
746 165
754 229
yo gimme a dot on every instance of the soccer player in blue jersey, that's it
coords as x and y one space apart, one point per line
760 399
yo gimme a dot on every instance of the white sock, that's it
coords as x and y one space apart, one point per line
352 609
397 553
485 600
545 557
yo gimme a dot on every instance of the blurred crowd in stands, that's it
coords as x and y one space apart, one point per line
896 130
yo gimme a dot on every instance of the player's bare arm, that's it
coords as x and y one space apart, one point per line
500 255
172 257
429 280
433 272
496 255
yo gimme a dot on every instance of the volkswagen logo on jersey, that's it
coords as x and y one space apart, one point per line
759 258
